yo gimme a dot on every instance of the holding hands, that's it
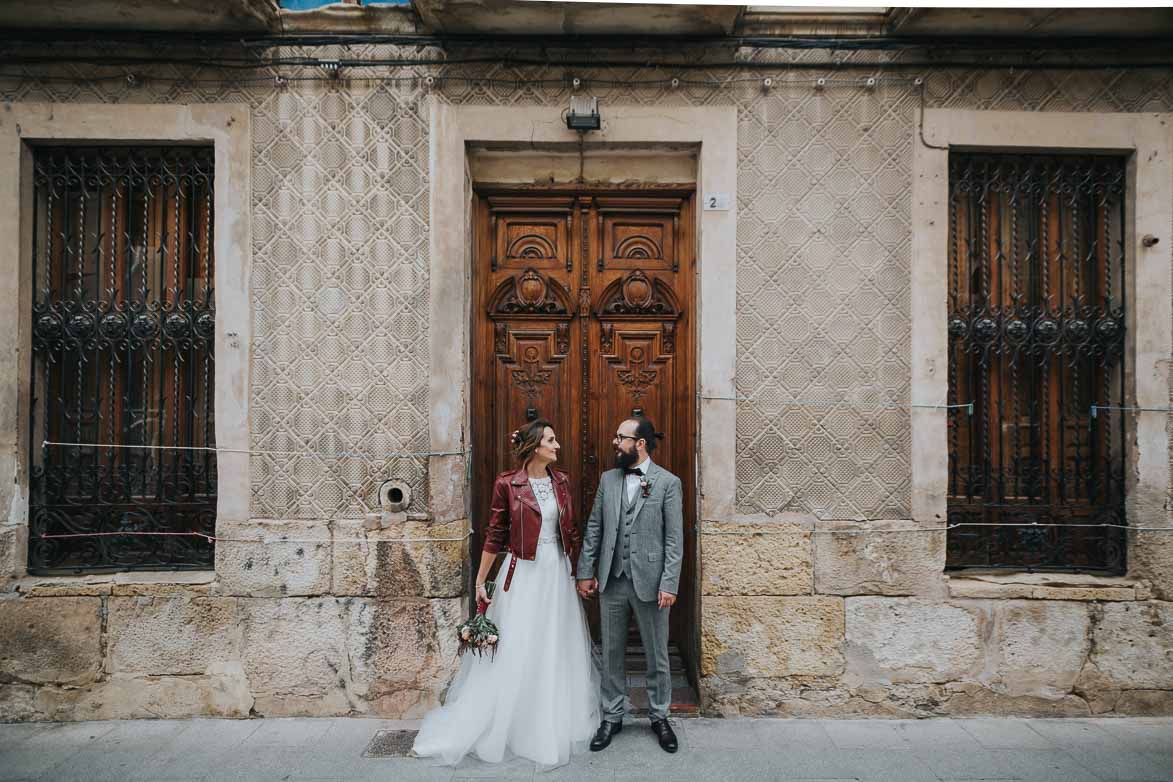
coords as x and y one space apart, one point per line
587 587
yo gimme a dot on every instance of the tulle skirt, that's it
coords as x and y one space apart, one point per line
538 697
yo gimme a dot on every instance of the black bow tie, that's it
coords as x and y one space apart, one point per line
633 471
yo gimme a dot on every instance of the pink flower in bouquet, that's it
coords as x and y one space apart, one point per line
492 639
465 634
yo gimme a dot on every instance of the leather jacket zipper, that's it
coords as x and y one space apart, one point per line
561 531
522 527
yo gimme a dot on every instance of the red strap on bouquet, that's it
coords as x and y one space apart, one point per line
509 575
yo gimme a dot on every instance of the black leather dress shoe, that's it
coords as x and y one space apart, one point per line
664 733
604 733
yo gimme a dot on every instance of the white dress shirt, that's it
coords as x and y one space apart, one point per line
632 481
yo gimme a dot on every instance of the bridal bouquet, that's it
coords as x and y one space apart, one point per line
479 634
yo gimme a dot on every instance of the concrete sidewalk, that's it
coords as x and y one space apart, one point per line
1066 750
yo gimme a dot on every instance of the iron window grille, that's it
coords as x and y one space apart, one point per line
1036 339
123 325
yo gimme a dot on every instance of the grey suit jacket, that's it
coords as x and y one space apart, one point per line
657 534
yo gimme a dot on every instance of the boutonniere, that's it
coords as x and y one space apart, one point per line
645 486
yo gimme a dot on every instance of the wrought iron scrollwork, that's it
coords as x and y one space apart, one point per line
123 329
1075 332
1036 331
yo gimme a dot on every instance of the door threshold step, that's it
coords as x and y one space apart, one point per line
684 701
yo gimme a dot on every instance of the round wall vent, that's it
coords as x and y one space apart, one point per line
394 496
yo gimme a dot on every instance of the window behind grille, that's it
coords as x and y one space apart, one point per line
1036 342
123 365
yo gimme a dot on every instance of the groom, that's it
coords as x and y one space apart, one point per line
634 536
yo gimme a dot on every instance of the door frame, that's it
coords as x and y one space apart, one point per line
712 131
484 192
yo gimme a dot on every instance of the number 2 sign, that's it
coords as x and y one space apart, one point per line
716 202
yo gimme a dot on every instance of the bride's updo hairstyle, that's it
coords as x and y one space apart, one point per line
527 439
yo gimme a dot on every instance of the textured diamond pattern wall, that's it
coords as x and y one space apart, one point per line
822 299
340 228
340 294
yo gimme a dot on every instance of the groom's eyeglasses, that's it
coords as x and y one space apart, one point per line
621 437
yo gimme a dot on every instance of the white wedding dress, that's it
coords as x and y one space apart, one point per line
538 697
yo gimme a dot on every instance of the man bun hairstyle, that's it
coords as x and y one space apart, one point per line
526 439
645 430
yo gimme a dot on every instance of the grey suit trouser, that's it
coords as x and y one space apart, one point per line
616 603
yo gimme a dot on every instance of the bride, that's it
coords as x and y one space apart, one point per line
537 697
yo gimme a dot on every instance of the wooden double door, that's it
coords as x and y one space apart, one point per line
583 313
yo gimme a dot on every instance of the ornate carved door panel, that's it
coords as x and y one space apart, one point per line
583 314
524 327
642 360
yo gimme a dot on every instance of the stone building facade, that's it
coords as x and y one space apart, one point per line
341 328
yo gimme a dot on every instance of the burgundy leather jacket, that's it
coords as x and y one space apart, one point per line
515 519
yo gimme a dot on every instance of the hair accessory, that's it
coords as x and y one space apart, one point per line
515 436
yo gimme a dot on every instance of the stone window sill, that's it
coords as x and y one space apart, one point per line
984 584
158 582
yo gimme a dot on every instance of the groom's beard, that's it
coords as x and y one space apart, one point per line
625 459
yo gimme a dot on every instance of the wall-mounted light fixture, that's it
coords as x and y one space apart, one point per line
583 114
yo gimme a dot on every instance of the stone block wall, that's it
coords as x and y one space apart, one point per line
355 624
320 616
881 631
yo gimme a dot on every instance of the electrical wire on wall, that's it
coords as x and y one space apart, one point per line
320 455
935 529
641 54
